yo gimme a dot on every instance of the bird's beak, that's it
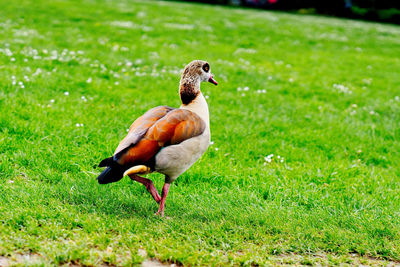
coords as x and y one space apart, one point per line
211 80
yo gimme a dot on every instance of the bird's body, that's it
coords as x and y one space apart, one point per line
166 140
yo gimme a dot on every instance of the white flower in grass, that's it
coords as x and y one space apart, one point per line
116 83
216 149
211 143
84 98
66 93
268 158
52 100
397 98
12 59
89 80
8 52
342 88
246 88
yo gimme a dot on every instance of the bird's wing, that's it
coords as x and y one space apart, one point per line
175 127
141 125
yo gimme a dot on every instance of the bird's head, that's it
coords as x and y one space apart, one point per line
198 71
194 73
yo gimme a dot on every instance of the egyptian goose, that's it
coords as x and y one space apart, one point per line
166 140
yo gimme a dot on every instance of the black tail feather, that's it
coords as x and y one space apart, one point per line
110 175
106 162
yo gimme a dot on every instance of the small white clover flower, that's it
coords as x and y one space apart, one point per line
52 100
89 80
66 93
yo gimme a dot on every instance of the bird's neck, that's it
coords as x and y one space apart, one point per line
189 88
193 99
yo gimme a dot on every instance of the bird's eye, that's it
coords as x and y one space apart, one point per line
206 67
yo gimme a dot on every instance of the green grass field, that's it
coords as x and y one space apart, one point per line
320 94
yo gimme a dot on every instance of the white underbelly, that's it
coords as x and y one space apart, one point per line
176 159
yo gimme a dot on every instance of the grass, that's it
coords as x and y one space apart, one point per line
330 108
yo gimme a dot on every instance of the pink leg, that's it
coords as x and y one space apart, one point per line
164 194
149 186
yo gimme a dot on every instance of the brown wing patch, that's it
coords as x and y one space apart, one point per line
140 126
174 128
143 151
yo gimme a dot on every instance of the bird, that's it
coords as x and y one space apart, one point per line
164 139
